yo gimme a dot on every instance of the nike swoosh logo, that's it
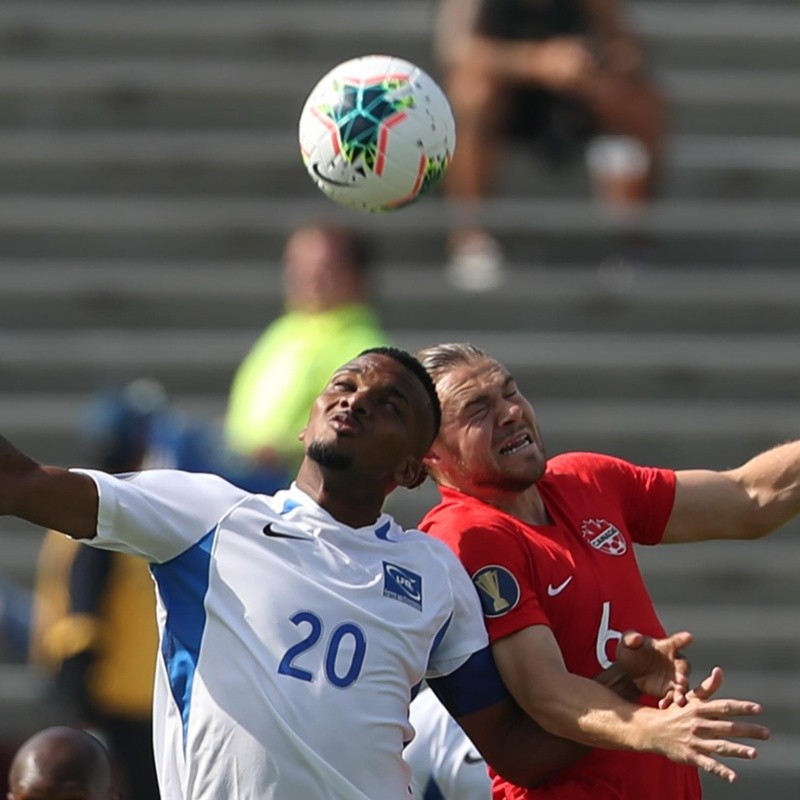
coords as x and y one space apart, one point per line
554 590
473 758
325 179
270 531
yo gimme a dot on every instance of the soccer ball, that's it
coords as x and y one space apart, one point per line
376 132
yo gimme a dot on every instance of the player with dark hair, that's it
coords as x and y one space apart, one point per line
549 546
59 763
295 627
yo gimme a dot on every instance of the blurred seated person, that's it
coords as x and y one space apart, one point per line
327 322
556 74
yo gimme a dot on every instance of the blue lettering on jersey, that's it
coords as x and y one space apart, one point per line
402 584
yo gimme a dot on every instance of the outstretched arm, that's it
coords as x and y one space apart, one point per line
515 745
567 705
520 750
47 496
744 503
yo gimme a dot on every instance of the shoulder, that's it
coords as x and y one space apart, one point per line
458 512
585 467
429 549
573 473
474 532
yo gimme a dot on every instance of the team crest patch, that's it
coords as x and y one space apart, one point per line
603 536
402 584
497 588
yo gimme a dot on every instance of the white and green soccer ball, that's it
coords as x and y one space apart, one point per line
376 132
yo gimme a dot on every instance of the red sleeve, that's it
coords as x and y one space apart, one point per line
500 562
647 494
650 501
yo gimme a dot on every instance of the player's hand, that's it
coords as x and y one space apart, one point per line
657 666
701 731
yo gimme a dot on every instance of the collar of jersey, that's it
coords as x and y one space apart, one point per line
299 497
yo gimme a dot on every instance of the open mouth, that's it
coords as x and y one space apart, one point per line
346 423
516 444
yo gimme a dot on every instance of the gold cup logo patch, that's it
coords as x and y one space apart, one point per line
489 583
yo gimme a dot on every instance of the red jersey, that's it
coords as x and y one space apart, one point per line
579 576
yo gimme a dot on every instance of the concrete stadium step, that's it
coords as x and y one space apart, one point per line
119 91
209 28
21 543
677 33
613 366
268 163
46 425
555 232
762 572
751 636
130 295
27 703
706 34
776 691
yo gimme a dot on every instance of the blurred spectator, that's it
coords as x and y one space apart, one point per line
15 618
555 74
94 622
444 762
60 764
327 322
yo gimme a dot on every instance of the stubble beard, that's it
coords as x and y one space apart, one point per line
503 482
328 457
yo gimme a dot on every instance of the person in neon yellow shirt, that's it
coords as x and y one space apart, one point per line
327 322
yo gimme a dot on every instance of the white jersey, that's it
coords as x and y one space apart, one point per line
445 763
290 643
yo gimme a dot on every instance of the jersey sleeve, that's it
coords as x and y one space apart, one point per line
464 633
648 495
158 514
501 567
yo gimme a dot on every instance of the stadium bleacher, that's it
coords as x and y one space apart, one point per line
149 174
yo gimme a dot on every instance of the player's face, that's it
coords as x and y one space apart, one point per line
374 418
489 439
315 278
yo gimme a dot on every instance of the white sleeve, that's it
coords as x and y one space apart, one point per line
465 632
158 514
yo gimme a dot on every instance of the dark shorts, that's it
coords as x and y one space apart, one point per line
556 126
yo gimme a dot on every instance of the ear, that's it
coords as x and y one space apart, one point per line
410 473
431 459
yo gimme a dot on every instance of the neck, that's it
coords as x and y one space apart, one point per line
352 502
